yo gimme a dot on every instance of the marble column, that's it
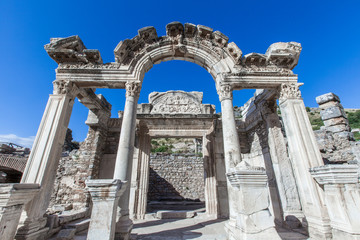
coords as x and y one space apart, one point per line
44 158
232 152
13 196
124 158
304 154
285 179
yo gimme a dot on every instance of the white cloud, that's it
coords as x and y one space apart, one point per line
22 141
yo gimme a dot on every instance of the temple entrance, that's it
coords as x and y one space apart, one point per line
243 158
177 176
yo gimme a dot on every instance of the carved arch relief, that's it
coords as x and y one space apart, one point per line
195 43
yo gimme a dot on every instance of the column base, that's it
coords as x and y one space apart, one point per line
105 194
234 233
123 229
12 200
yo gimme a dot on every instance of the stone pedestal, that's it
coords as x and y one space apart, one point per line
254 220
105 194
342 198
12 200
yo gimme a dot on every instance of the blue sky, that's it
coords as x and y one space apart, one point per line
329 32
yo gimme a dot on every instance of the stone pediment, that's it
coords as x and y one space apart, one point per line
176 102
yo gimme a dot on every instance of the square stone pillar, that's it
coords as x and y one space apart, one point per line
12 199
105 195
254 220
304 154
285 179
342 198
44 158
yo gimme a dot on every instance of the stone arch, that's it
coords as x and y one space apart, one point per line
198 44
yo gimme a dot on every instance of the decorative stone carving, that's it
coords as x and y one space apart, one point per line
176 102
224 91
132 89
290 90
283 54
71 50
65 87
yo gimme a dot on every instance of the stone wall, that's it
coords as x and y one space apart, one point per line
176 177
69 187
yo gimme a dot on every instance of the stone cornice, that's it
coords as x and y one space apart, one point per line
336 174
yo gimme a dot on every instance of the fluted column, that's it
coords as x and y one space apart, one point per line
124 158
44 158
211 194
304 154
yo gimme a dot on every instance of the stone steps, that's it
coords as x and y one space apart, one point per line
78 225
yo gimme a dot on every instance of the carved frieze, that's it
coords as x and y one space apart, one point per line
224 91
132 89
175 102
290 91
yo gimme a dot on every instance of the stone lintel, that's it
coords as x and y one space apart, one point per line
336 174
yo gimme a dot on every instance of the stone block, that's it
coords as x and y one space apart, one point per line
175 214
336 121
66 234
338 128
332 112
327 98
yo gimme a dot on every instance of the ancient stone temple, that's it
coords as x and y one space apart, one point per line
260 172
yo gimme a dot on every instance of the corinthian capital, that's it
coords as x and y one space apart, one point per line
290 91
132 89
224 91
65 87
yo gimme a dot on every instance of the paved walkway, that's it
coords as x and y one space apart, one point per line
200 228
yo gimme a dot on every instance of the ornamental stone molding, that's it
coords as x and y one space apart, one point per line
290 91
225 91
65 87
132 89
194 43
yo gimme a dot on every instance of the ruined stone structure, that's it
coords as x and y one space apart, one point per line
254 176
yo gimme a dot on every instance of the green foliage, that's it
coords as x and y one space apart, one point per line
357 136
316 123
308 109
354 119
163 148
